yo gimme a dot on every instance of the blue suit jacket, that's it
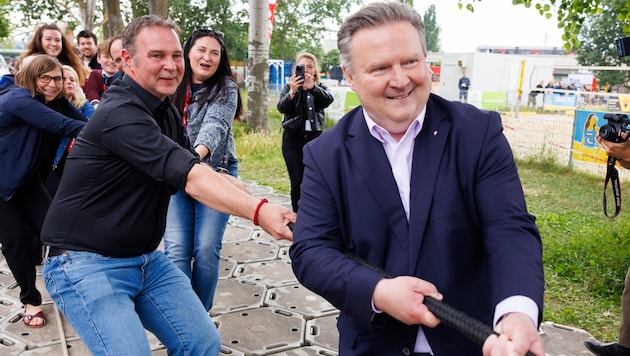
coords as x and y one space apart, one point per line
469 231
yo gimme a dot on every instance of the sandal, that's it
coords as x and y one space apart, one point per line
27 318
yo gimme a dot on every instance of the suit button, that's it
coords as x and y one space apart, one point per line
406 351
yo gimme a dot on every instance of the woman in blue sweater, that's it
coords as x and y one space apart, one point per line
209 101
76 96
31 127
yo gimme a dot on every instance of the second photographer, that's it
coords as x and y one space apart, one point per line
302 101
621 152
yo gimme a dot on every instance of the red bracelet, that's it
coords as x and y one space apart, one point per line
260 203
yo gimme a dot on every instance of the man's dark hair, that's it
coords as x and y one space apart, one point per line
87 34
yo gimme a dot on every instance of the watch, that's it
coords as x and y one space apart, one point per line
291 92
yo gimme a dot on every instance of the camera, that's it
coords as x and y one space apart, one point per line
623 46
617 123
299 72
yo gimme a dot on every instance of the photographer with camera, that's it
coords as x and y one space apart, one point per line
302 101
616 146
616 131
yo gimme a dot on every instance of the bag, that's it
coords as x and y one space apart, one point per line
294 124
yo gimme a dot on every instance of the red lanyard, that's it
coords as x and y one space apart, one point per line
186 102
105 82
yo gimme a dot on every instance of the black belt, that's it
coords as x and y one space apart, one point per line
55 251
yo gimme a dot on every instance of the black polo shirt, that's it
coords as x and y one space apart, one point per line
119 176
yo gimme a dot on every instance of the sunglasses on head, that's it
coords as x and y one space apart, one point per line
217 34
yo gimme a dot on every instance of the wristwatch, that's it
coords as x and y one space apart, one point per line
291 92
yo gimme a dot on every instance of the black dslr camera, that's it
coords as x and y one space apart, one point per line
623 46
617 123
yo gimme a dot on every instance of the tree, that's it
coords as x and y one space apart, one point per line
597 48
431 30
301 25
331 58
216 14
114 22
258 64
4 18
570 14
158 7
77 13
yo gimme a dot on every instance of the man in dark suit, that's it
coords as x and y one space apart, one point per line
425 189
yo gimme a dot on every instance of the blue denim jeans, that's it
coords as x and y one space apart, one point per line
110 302
192 241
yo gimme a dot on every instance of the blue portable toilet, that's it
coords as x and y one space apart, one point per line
276 74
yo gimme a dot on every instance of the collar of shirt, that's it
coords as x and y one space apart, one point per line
151 101
399 153
382 135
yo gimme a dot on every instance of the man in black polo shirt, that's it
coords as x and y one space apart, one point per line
109 213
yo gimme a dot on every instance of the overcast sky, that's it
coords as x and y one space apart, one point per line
494 22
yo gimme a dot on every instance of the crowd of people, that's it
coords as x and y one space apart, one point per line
109 147
159 147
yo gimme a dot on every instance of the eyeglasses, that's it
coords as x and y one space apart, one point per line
47 78
217 34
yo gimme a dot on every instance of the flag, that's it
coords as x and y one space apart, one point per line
272 13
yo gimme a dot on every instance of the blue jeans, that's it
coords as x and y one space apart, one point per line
192 241
110 301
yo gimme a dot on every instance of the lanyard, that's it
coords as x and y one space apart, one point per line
612 175
106 82
186 102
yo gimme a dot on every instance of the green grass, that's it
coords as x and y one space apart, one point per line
586 255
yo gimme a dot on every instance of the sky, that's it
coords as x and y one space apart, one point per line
494 23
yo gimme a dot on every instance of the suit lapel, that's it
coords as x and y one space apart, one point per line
371 161
427 156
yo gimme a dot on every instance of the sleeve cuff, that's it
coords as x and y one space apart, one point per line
517 303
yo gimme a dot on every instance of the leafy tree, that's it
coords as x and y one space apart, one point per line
431 30
4 18
77 13
216 14
570 14
597 45
300 25
331 58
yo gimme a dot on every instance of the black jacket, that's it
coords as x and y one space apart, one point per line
319 99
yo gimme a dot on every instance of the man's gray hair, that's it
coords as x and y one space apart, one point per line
373 15
131 31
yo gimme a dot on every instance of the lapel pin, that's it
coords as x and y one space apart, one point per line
435 133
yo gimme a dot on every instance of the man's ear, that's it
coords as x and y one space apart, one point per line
126 57
348 76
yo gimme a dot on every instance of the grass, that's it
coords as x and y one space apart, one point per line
586 255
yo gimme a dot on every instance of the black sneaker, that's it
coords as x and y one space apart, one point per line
609 349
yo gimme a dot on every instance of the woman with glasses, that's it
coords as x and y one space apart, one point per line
30 129
76 96
209 101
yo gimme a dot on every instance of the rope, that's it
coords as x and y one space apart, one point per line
472 328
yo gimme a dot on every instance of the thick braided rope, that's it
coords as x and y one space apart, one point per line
472 328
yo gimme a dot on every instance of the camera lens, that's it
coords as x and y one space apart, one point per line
607 132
